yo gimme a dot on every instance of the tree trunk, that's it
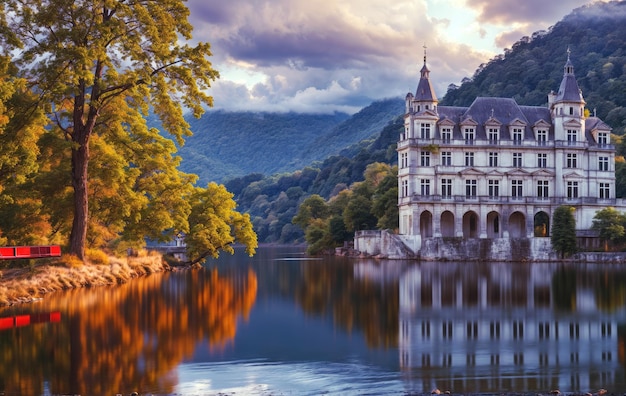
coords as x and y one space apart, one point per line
80 161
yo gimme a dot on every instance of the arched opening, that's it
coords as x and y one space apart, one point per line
426 224
470 225
517 225
542 224
493 225
447 224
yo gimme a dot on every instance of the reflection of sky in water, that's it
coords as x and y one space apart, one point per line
263 378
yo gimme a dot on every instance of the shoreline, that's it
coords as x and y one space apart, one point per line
29 284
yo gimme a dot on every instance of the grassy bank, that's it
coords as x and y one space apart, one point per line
28 284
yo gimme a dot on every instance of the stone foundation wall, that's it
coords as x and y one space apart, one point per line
385 244
388 245
498 249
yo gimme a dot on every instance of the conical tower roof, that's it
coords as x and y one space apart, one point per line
569 90
425 91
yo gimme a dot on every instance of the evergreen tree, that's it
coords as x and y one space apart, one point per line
563 236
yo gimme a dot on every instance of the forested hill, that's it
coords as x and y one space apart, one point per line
233 144
596 37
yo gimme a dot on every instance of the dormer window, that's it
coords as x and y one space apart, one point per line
517 136
493 134
469 136
603 139
542 137
446 134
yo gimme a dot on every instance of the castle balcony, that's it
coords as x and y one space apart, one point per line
602 146
571 145
430 144
485 199
504 143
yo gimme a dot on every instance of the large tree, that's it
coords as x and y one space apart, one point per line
88 58
21 127
610 225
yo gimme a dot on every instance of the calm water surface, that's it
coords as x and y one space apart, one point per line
285 324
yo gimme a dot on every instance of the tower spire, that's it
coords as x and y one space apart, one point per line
568 53
425 90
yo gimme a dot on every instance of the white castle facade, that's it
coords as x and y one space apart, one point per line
498 170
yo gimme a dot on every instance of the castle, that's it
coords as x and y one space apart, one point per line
496 171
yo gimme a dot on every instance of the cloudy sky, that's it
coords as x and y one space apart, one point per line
340 55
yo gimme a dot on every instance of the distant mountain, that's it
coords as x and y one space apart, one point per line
226 145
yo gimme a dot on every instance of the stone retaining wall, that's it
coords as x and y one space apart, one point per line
393 246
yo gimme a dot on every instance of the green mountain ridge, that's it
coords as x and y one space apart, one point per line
226 145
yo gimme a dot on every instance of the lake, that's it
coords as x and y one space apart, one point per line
282 323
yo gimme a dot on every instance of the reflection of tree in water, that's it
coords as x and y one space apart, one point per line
130 338
355 303
608 285
610 291
564 289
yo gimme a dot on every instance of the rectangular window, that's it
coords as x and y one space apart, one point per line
405 188
517 160
572 189
603 163
446 188
425 131
425 186
470 188
493 160
542 137
493 135
404 160
604 191
542 189
571 160
517 136
603 139
516 189
469 136
572 136
542 160
494 188
446 158
446 135
469 159
425 158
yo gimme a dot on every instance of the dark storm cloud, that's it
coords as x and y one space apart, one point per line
304 34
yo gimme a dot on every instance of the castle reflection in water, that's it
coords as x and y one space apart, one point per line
511 327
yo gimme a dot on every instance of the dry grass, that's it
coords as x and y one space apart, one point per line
28 284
